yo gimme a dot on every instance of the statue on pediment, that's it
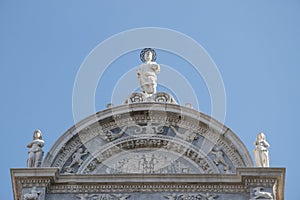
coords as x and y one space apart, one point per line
147 71
261 153
35 152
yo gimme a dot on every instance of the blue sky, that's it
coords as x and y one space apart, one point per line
255 45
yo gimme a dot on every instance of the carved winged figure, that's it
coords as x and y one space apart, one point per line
259 193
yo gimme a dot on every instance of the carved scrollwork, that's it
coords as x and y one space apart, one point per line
110 136
162 97
159 97
102 196
187 135
200 196
148 129
135 129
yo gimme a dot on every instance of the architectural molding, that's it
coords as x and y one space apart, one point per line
111 130
243 182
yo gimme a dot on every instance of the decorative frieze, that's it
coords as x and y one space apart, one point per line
231 152
183 196
263 182
157 142
33 182
147 187
102 196
67 151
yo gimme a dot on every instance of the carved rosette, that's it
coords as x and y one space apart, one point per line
159 97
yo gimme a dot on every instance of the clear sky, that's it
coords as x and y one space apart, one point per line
254 44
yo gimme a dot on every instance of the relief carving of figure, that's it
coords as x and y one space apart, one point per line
219 158
261 153
35 152
147 72
33 195
260 194
76 159
147 164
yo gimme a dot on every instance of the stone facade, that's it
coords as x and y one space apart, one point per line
148 151
242 185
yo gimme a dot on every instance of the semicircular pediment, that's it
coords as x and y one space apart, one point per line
167 154
148 138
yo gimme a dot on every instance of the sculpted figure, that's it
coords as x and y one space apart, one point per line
261 153
33 195
76 159
147 72
219 158
260 194
35 152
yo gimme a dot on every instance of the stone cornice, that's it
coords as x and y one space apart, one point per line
29 177
82 183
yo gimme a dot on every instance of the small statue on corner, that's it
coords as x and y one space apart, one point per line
35 152
261 153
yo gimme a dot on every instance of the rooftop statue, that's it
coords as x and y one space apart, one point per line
261 153
146 75
35 152
147 72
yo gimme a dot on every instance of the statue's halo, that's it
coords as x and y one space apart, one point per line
142 54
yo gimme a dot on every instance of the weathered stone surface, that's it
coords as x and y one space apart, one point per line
241 185
148 151
149 138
